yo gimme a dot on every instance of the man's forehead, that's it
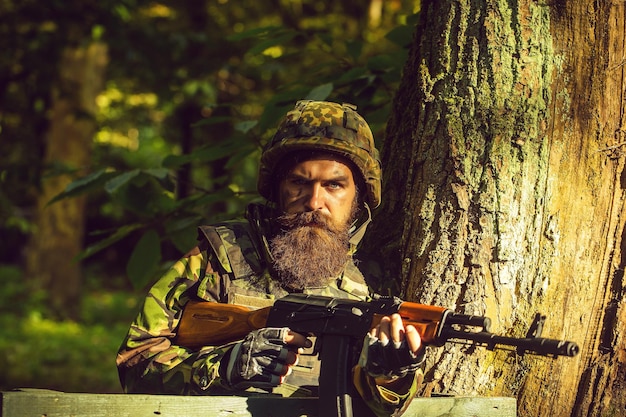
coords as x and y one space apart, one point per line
301 158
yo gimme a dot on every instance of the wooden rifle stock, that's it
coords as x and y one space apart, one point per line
211 324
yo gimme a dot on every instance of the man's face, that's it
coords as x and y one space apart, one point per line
318 199
324 183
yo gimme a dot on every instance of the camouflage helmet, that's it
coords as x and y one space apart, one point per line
323 126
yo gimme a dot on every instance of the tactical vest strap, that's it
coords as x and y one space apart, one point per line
234 247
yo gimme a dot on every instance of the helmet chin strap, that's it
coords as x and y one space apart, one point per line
357 233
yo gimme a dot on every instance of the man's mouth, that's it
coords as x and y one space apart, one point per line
313 220
315 224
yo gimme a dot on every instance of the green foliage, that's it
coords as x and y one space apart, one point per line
59 355
76 357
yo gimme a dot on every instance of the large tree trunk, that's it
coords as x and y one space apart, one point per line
504 194
60 226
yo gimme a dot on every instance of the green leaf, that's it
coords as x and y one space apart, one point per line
116 183
174 161
145 259
244 127
413 19
381 63
159 173
245 151
119 234
351 75
401 35
83 185
183 223
213 120
212 152
201 201
146 197
355 48
183 233
320 92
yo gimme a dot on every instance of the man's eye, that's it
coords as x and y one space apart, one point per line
298 181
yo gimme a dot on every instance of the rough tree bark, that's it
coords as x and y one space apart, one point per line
60 226
504 193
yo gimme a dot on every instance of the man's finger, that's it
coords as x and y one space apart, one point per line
413 339
396 328
384 330
297 339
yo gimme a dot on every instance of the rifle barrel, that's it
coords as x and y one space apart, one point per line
538 345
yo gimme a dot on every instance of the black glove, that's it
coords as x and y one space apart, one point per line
260 360
389 360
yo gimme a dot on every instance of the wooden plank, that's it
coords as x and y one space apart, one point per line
38 403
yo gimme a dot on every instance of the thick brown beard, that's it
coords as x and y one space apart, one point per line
309 251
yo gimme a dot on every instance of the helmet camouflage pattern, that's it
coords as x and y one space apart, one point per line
323 126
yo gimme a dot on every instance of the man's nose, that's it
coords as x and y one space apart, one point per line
315 199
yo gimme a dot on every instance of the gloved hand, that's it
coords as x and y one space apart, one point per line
390 351
263 358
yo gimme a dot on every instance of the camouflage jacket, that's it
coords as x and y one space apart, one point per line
229 265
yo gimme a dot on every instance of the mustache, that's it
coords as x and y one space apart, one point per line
309 218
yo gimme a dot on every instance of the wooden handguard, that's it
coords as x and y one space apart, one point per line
425 318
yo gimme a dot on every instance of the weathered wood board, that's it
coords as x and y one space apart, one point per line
38 403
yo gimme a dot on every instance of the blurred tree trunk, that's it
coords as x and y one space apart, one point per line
504 194
60 226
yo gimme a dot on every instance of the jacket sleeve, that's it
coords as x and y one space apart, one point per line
148 361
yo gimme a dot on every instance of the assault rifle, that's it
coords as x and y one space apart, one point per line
340 326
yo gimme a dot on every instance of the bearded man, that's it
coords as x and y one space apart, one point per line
320 174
